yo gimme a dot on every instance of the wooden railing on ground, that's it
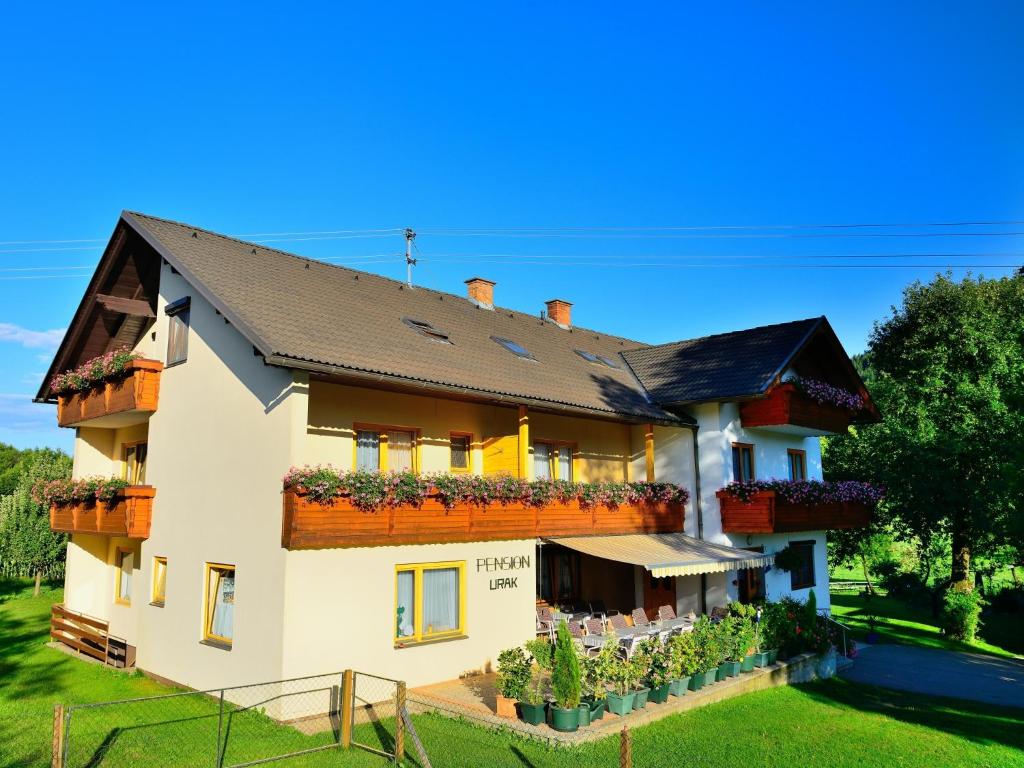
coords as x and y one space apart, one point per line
309 525
90 636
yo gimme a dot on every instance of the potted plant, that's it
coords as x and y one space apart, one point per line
620 700
640 662
726 647
658 675
706 647
597 671
565 683
512 680
744 633
534 708
761 656
683 656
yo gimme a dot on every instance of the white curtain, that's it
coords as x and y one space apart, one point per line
564 462
399 451
125 585
405 619
440 600
542 461
222 624
367 451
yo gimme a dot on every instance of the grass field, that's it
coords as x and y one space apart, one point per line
832 723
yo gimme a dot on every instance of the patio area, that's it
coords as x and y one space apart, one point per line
474 698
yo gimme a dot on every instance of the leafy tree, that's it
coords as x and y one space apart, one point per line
947 372
27 545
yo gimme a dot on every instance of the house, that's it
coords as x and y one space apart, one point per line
207 571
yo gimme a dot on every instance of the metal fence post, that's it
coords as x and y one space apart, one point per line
347 699
626 749
58 736
399 721
220 730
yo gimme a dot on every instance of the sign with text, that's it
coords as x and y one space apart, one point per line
499 564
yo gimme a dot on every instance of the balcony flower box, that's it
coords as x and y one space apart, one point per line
128 514
135 390
769 511
787 407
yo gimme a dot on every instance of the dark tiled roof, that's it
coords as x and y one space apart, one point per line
312 313
737 364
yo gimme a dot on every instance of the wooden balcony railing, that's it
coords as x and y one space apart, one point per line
128 398
90 636
766 513
127 514
310 525
788 409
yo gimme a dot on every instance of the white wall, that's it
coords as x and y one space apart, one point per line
777 582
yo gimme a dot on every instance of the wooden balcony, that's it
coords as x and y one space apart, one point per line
766 513
309 525
128 399
90 636
127 514
787 409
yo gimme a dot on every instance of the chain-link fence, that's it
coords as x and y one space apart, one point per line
227 728
375 708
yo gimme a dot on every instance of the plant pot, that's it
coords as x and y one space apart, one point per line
773 656
506 707
762 659
696 681
565 720
620 705
585 716
534 714
732 668
748 663
678 687
640 698
723 671
597 709
659 694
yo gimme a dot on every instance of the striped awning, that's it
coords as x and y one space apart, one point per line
666 554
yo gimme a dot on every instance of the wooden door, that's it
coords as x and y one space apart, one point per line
658 592
751 582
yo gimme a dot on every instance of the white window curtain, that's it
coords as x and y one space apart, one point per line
564 462
367 451
541 461
405 616
124 587
223 620
440 600
399 451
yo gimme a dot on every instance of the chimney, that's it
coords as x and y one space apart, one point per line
480 292
560 312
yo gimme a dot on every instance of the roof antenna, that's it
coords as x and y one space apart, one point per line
410 262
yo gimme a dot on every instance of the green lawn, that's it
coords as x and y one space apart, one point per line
911 624
832 723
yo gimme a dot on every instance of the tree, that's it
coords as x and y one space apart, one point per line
27 545
947 372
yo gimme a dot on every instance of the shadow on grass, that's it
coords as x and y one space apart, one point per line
965 719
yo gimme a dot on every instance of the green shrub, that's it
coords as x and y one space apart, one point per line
705 638
961 614
659 662
541 651
513 673
684 654
565 674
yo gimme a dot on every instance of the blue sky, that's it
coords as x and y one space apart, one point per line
250 119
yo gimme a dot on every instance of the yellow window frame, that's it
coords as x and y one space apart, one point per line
417 570
382 444
140 467
119 562
468 436
158 598
207 612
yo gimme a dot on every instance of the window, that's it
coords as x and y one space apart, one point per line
797 464
608 361
133 467
802 576
552 460
159 580
177 330
385 449
125 563
459 447
423 328
219 609
430 601
742 462
590 357
513 347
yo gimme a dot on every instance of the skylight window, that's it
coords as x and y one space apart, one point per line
590 357
513 347
423 328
